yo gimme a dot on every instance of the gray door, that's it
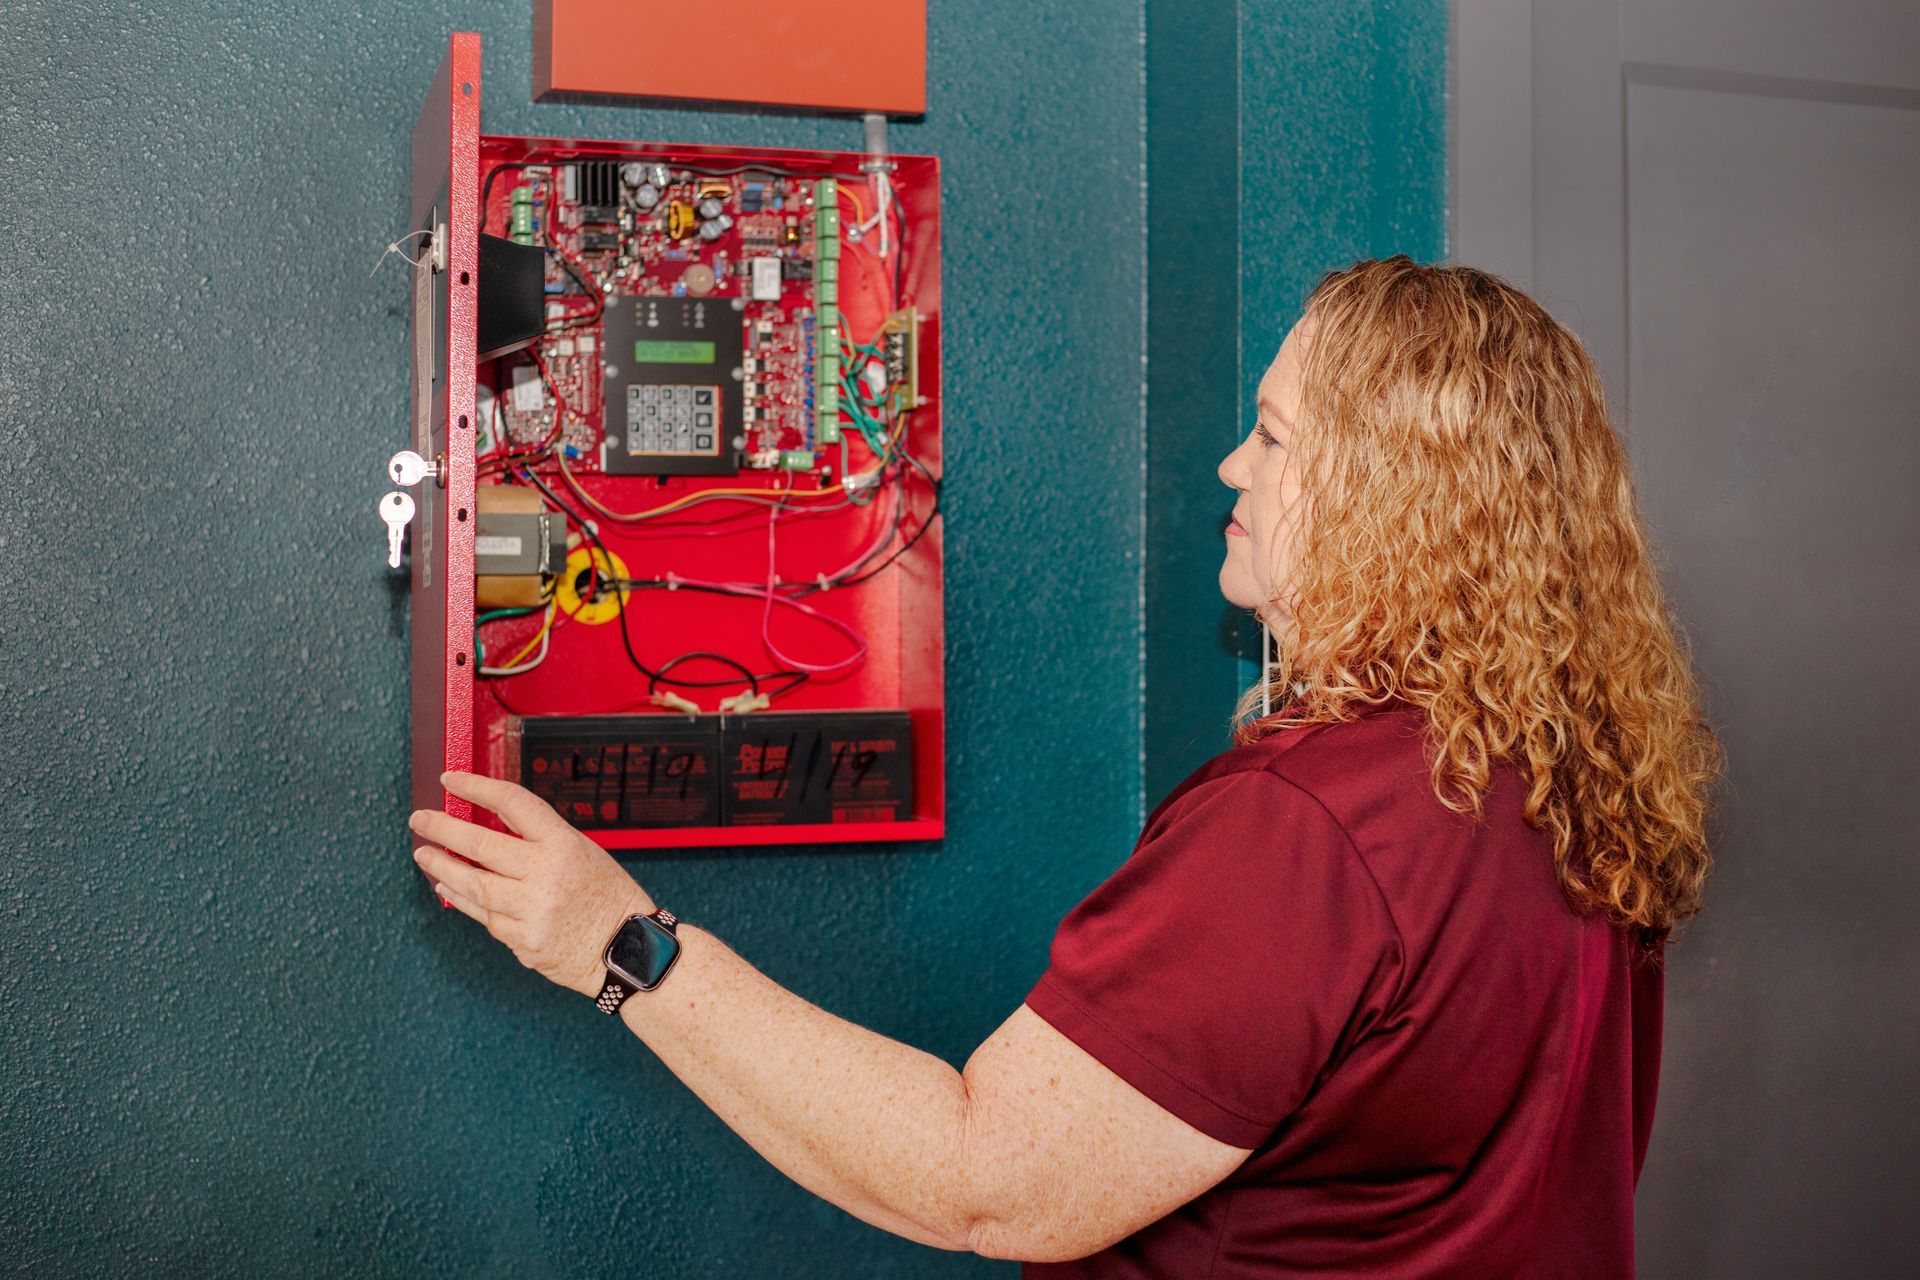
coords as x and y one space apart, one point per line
1723 198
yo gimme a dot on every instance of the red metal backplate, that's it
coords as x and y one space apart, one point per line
898 612
847 55
445 203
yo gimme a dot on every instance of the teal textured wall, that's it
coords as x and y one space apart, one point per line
1284 139
240 1038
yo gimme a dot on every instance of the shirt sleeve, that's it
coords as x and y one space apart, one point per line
1219 969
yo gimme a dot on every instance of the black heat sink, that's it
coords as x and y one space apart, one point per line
597 189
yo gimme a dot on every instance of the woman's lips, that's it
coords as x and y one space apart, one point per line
1235 529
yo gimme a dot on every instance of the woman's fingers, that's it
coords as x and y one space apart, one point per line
472 910
494 850
518 807
473 889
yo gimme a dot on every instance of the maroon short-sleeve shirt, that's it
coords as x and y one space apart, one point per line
1440 1068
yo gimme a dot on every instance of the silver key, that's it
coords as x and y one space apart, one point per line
408 468
396 509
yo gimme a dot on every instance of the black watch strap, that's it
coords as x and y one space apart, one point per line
612 996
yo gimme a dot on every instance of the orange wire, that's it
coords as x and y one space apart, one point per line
566 474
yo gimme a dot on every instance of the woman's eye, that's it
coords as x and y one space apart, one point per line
1266 437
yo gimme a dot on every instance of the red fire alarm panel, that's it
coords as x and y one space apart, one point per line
672 482
849 55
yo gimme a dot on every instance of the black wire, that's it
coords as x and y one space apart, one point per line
594 581
917 534
810 586
486 188
592 289
899 518
697 654
619 589
899 246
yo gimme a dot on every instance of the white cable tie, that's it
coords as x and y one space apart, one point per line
673 580
396 249
820 580
669 699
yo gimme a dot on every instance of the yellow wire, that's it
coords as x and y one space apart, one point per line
566 473
546 625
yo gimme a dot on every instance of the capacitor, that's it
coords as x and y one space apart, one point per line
711 208
658 175
715 229
646 195
633 173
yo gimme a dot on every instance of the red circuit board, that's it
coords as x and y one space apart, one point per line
769 218
874 643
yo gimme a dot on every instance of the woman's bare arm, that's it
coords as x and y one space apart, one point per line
1035 1151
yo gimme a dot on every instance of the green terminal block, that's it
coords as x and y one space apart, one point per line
826 222
826 427
826 218
796 459
520 215
826 400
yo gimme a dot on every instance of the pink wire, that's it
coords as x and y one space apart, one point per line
766 591
766 617
758 591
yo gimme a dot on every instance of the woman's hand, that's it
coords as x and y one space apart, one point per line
552 895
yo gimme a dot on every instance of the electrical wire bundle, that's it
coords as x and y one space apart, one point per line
875 409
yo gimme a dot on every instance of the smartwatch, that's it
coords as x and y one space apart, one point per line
643 949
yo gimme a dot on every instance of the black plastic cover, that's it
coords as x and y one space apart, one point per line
512 289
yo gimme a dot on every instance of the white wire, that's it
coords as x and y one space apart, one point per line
882 189
546 638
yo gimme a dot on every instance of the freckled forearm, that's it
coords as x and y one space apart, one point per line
868 1123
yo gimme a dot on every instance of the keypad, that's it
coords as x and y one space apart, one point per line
673 418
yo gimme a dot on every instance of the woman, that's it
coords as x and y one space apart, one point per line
1378 991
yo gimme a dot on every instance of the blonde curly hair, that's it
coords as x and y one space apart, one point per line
1472 546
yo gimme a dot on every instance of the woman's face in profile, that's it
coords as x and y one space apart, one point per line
1263 536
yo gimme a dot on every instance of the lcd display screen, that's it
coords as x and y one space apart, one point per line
663 351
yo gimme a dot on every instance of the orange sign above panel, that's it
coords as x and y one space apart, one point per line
848 55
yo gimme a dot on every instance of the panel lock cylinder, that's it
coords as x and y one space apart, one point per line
408 469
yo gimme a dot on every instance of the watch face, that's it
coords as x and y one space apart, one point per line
641 952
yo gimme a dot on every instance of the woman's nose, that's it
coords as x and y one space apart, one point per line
1232 470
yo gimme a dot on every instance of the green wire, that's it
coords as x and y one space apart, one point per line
494 615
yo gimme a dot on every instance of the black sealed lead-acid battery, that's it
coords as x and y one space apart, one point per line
816 766
622 771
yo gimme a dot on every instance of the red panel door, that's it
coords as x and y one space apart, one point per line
444 214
